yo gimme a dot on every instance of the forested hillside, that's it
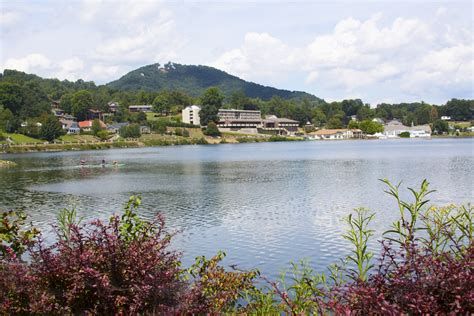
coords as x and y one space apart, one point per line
194 80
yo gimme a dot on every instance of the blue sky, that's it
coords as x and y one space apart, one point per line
380 51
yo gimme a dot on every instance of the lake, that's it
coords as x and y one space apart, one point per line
265 204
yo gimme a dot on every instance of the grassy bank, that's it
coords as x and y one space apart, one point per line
71 147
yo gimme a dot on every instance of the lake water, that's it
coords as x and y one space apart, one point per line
265 204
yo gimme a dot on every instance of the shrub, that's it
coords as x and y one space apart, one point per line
212 130
130 131
404 134
185 133
103 135
2 136
178 131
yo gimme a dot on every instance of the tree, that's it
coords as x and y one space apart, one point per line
51 129
212 130
81 102
6 120
334 122
11 97
96 128
353 124
440 126
102 134
404 134
211 102
460 110
161 104
319 118
141 117
370 127
66 102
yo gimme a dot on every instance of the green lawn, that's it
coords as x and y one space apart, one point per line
77 138
150 116
22 139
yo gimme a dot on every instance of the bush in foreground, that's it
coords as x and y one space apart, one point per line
125 266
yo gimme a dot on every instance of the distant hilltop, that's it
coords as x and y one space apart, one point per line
194 80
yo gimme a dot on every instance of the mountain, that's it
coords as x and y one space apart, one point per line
193 80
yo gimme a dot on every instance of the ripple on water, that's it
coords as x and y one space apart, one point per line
264 204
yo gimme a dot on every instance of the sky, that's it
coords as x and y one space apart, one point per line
378 51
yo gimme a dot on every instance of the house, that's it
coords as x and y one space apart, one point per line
114 128
340 133
140 108
113 107
190 115
93 114
69 124
394 128
73 128
279 126
86 126
445 118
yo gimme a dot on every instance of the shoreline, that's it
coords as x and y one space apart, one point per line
59 147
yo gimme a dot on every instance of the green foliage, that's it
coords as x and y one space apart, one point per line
211 103
404 135
353 124
212 130
14 240
334 122
96 128
66 219
81 102
102 134
51 129
2 136
370 127
194 80
440 126
405 228
131 226
359 235
185 132
7 120
130 131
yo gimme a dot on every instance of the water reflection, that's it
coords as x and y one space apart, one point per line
265 204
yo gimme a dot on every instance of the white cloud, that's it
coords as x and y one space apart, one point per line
400 57
28 63
70 68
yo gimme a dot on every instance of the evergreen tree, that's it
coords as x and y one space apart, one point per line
51 129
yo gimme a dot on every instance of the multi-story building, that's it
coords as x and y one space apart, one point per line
190 115
140 108
247 121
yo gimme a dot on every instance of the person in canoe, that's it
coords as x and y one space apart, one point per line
115 163
103 163
83 162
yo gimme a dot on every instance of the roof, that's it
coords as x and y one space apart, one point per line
398 126
233 110
273 118
331 131
193 107
95 111
117 125
88 123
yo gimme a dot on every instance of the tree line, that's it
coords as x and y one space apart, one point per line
26 97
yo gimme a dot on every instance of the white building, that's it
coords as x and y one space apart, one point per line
446 118
394 128
190 115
